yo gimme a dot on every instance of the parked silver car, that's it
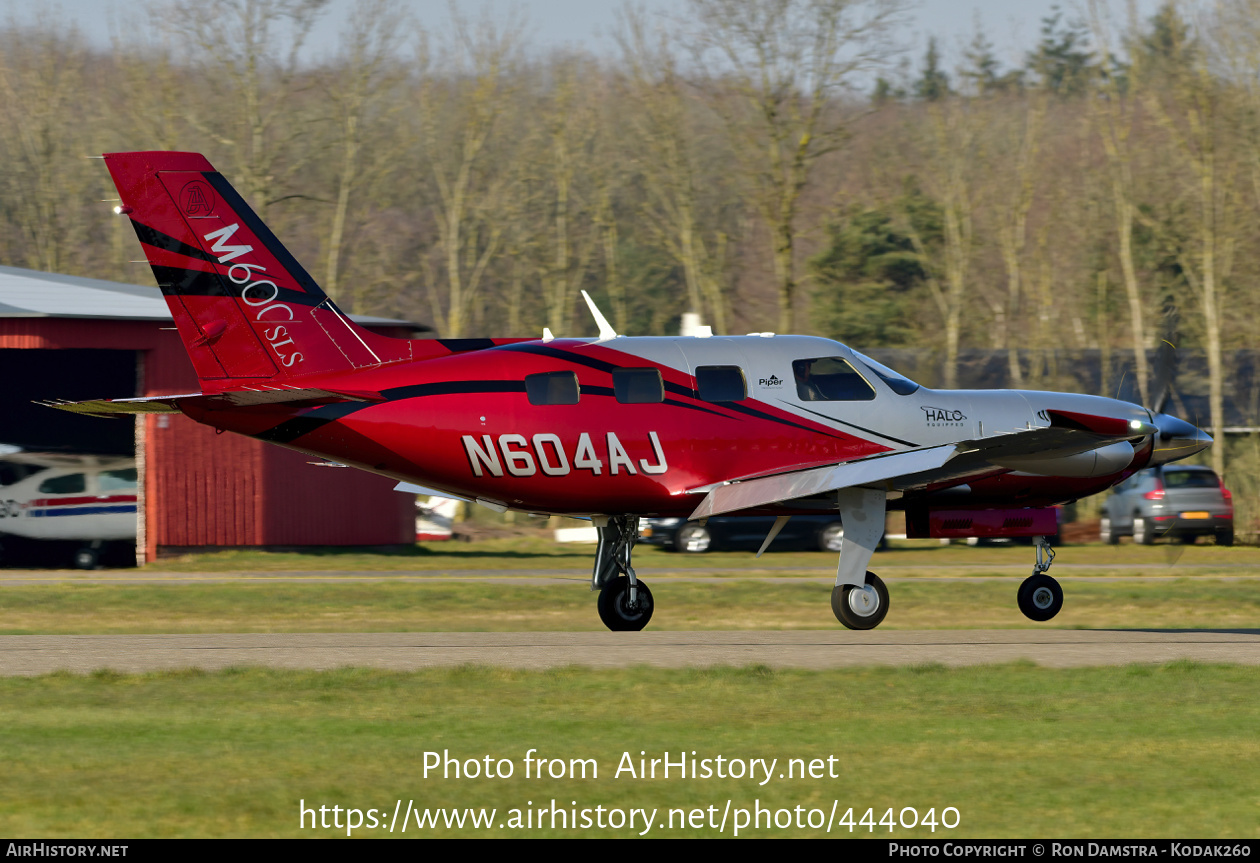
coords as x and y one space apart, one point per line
1182 502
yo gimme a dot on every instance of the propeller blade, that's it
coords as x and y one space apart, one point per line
1165 362
1165 371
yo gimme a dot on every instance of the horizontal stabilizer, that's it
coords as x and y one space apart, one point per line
290 396
122 407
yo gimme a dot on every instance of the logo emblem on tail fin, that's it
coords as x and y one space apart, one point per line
196 199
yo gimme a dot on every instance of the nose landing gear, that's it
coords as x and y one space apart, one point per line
625 603
1040 597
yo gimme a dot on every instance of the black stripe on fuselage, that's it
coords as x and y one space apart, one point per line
557 353
753 412
459 346
860 428
292 429
676 389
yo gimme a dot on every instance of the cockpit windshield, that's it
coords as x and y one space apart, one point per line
898 383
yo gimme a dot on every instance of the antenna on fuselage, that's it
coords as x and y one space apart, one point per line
605 329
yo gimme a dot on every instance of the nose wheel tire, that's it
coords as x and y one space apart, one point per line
860 607
615 609
1040 597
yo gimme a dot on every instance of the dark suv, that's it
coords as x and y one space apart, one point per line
1179 501
822 531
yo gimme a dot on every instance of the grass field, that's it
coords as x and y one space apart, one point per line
1019 751
464 606
539 552
1207 587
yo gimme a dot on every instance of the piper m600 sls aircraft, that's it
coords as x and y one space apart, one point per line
615 428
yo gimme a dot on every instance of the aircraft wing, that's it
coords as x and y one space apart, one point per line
918 468
230 398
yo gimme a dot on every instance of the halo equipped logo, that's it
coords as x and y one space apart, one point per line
771 381
196 199
940 417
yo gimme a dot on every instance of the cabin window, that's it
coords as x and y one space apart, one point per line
71 483
118 480
638 386
830 379
552 388
721 383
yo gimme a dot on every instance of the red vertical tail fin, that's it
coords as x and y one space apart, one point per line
245 308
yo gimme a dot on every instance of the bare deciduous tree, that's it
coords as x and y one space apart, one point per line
775 71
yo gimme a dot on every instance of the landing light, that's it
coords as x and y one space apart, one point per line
1135 424
121 210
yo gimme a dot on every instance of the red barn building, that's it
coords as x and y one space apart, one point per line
63 337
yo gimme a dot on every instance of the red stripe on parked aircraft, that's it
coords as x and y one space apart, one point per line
74 501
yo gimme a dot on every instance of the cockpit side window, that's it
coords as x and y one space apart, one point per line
721 383
830 379
898 383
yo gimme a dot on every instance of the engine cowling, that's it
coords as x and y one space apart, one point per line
1104 461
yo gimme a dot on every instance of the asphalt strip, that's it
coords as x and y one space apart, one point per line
24 655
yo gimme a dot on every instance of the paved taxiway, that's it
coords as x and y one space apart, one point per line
40 654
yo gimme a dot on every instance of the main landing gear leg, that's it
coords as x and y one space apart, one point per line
859 599
625 603
1040 596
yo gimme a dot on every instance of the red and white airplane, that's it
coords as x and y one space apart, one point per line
49 500
615 428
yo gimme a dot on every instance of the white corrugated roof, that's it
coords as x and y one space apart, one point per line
32 294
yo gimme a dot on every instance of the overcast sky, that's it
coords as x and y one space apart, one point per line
1011 27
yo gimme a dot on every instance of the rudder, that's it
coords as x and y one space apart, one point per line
246 310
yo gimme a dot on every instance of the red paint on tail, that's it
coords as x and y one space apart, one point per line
246 309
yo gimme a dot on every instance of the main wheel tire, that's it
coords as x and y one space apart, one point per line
615 610
1107 533
831 537
1040 597
1225 535
1143 532
693 538
860 607
86 558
